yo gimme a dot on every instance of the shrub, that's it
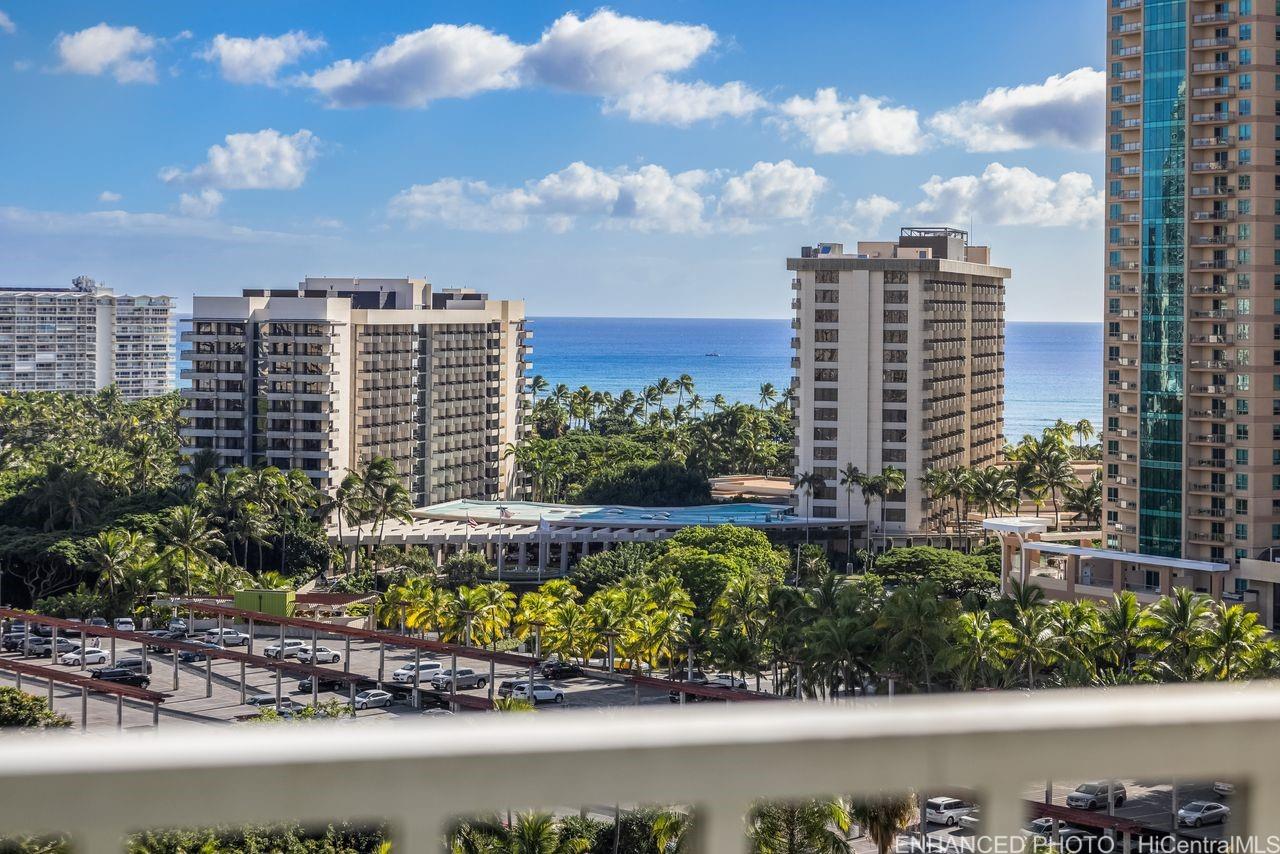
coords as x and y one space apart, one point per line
954 573
19 709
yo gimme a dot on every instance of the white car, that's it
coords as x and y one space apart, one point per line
91 656
946 810
542 692
728 680
372 699
291 649
1224 788
1198 813
320 655
426 670
123 624
226 637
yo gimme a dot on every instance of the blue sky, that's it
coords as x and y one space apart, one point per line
636 159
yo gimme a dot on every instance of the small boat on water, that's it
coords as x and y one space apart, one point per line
712 354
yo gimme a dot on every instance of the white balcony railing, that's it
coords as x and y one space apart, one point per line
719 761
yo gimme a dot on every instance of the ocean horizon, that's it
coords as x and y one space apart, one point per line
1052 370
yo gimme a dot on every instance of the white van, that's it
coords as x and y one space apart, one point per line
946 810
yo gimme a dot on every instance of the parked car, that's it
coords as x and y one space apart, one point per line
1198 813
699 678
124 624
13 641
91 656
946 810
163 635
728 680
507 686
426 669
542 692
1219 788
561 670
229 637
291 649
326 684
1092 796
320 655
44 646
134 663
177 624
192 655
260 699
465 679
122 675
972 820
71 631
285 707
372 699
100 622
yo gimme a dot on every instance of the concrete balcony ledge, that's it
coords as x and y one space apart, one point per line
420 775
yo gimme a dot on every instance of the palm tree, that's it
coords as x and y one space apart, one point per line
1232 642
113 554
808 482
684 385
187 537
1120 630
1177 628
850 479
799 827
537 385
718 403
892 482
1033 641
768 394
1083 429
915 622
980 648
883 818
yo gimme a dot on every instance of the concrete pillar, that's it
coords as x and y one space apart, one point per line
586 548
437 552
1216 581
1117 576
1072 573
564 557
502 558
1166 581
523 561
544 551
84 709
119 711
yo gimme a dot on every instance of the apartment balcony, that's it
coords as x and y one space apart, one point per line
1214 314
1127 172
1211 439
1210 488
1211 18
1207 512
1210 389
1218 215
1213 142
1213 67
1131 50
1212 537
1123 5
1127 124
1217 117
1220 414
1215 264
1213 166
1213 92
1128 29
1131 98
1122 289
1215 464
1211 339
1129 74
1218 190
1210 365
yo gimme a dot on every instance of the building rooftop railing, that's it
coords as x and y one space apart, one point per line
719 761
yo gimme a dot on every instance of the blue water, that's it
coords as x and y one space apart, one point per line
536 512
1052 370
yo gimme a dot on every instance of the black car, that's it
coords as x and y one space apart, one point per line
326 684
561 670
699 679
121 675
13 641
163 635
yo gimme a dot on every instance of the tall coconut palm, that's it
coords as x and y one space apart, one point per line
980 649
537 385
1120 630
684 385
1176 628
768 395
1232 642
113 554
850 479
892 481
185 537
809 482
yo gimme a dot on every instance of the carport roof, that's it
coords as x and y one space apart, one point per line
1129 557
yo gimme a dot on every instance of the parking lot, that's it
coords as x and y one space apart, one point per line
189 703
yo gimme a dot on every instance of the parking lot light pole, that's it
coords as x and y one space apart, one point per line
250 650
453 683
208 675
84 709
50 681
346 658
417 676
175 668
242 683
113 650
155 713
491 676
315 688
382 658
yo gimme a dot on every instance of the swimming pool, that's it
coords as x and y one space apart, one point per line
534 512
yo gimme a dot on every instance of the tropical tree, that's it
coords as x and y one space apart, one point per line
186 539
799 827
883 818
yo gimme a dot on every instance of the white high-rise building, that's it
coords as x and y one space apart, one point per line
337 371
899 362
84 338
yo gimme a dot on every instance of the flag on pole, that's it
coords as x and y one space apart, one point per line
505 513
472 523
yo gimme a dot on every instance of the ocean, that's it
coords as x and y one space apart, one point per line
1052 370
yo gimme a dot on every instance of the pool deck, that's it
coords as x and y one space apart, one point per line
611 516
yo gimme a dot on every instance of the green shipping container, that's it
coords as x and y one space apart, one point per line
278 603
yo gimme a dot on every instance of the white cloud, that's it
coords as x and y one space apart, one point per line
1012 196
124 52
664 101
608 53
108 197
870 212
832 125
7 25
770 191
1064 110
647 199
265 160
442 61
204 203
259 60
122 224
